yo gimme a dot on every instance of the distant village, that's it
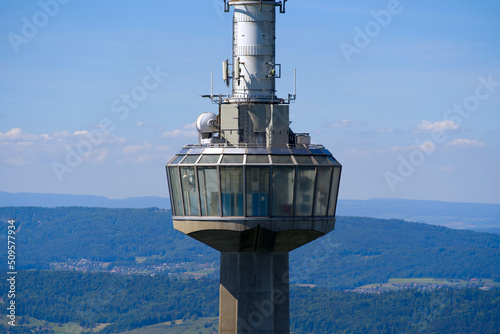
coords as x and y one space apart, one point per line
181 269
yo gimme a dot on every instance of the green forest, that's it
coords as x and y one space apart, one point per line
130 302
360 250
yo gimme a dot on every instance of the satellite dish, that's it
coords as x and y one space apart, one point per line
207 123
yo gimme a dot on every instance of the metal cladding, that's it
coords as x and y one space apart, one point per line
254 51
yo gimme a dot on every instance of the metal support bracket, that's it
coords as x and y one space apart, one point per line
226 6
282 5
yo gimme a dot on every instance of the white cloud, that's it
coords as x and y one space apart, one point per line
145 152
17 134
447 169
426 147
134 149
384 131
464 143
344 124
18 161
20 148
440 126
188 130
139 124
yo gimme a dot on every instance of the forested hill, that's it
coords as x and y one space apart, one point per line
135 301
359 251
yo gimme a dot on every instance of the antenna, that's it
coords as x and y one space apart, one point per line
236 68
225 71
295 82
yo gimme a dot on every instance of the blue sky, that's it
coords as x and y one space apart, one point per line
385 107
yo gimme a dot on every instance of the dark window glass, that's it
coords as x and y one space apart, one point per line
176 191
209 191
190 160
232 191
189 191
282 159
304 196
322 191
257 159
333 192
232 159
209 159
283 184
257 179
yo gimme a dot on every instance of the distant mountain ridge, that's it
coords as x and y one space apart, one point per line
471 216
62 200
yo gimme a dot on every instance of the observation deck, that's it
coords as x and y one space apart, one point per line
229 197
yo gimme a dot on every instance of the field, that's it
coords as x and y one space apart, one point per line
201 325
395 284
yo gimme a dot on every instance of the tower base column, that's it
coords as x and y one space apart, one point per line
254 293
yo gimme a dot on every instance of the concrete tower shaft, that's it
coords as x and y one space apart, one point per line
254 51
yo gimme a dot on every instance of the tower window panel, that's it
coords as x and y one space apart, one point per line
306 180
321 160
322 191
190 160
283 184
282 159
334 191
176 191
304 160
333 161
177 159
209 191
209 159
190 191
231 179
257 188
232 159
257 159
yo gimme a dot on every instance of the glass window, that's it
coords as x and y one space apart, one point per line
282 159
283 182
177 159
176 194
234 150
189 191
257 150
284 151
257 179
321 160
306 180
322 191
209 159
334 191
257 159
232 159
231 179
333 161
209 191
190 160
304 160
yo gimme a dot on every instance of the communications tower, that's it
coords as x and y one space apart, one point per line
252 188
